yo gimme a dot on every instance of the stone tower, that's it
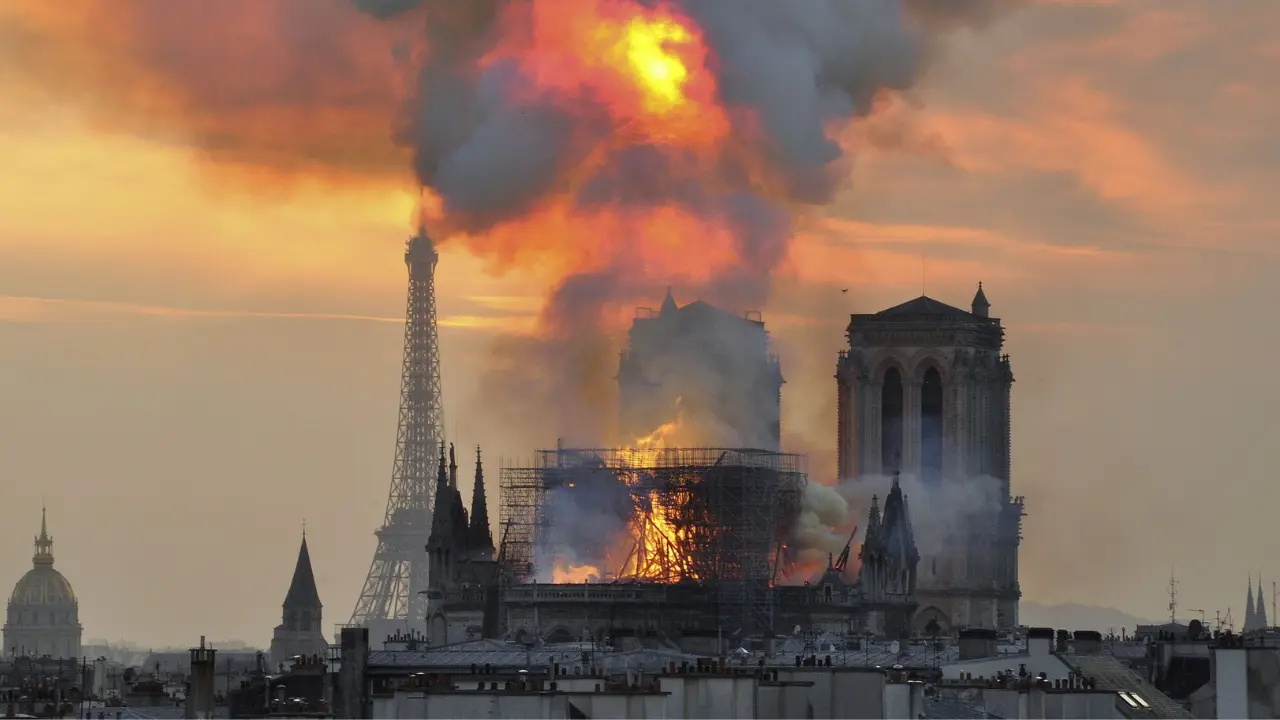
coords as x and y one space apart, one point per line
924 390
300 632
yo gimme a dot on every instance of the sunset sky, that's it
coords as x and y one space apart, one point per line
199 349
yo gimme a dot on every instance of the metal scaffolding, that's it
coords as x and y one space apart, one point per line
710 515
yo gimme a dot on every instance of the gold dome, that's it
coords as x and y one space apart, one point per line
43 587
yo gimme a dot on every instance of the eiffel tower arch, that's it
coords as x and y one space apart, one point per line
392 596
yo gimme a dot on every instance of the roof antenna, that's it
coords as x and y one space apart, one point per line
922 268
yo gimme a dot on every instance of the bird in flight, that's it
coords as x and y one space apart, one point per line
844 289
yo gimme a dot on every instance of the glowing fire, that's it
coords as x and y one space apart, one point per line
644 69
652 547
662 73
566 573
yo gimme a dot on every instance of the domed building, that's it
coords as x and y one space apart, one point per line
43 616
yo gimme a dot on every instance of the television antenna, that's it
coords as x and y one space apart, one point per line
1173 598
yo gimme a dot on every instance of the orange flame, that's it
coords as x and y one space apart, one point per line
646 69
566 573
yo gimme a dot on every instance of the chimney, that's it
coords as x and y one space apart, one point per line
978 643
897 699
200 700
1088 642
1061 645
1039 641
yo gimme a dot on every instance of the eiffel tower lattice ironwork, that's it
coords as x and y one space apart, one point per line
398 575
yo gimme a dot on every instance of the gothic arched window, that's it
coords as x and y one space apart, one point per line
931 426
891 421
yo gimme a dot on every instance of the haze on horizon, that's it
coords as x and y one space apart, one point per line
192 363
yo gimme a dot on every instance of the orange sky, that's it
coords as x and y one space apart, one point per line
193 359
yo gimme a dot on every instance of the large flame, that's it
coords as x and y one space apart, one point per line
646 69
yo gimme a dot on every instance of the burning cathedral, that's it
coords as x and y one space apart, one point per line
924 391
681 538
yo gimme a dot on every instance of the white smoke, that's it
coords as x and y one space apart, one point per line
820 528
942 513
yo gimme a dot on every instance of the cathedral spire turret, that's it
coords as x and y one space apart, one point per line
1250 617
481 539
453 469
980 306
44 544
1260 608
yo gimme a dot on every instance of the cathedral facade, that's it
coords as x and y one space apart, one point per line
924 390
43 616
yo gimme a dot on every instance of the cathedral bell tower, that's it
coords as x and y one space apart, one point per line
924 390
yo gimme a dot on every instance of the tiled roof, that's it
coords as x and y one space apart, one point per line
925 306
1113 674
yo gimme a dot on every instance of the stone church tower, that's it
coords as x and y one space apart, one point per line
301 631
924 390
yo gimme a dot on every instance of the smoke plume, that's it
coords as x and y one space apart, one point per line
649 142
583 519
822 529
940 512
613 146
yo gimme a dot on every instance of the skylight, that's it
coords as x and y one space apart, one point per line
1129 699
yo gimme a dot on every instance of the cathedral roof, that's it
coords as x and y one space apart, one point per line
302 590
42 585
925 306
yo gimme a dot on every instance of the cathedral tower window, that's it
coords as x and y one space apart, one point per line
891 422
931 426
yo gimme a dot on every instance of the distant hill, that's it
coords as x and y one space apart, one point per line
1074 616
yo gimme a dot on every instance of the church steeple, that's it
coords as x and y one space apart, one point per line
453 469
481 538
1260 609
442 491
1250 617
302 589
44 544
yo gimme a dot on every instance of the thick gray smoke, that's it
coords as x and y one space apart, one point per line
495 146
708 369
583 518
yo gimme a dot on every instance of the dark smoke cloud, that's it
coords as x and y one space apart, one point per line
494 147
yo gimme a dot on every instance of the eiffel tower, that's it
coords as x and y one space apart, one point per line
392 599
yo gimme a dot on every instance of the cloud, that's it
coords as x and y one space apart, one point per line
16 309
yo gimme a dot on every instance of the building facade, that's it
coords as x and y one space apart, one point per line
707 367
43 616
924 390
300 632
